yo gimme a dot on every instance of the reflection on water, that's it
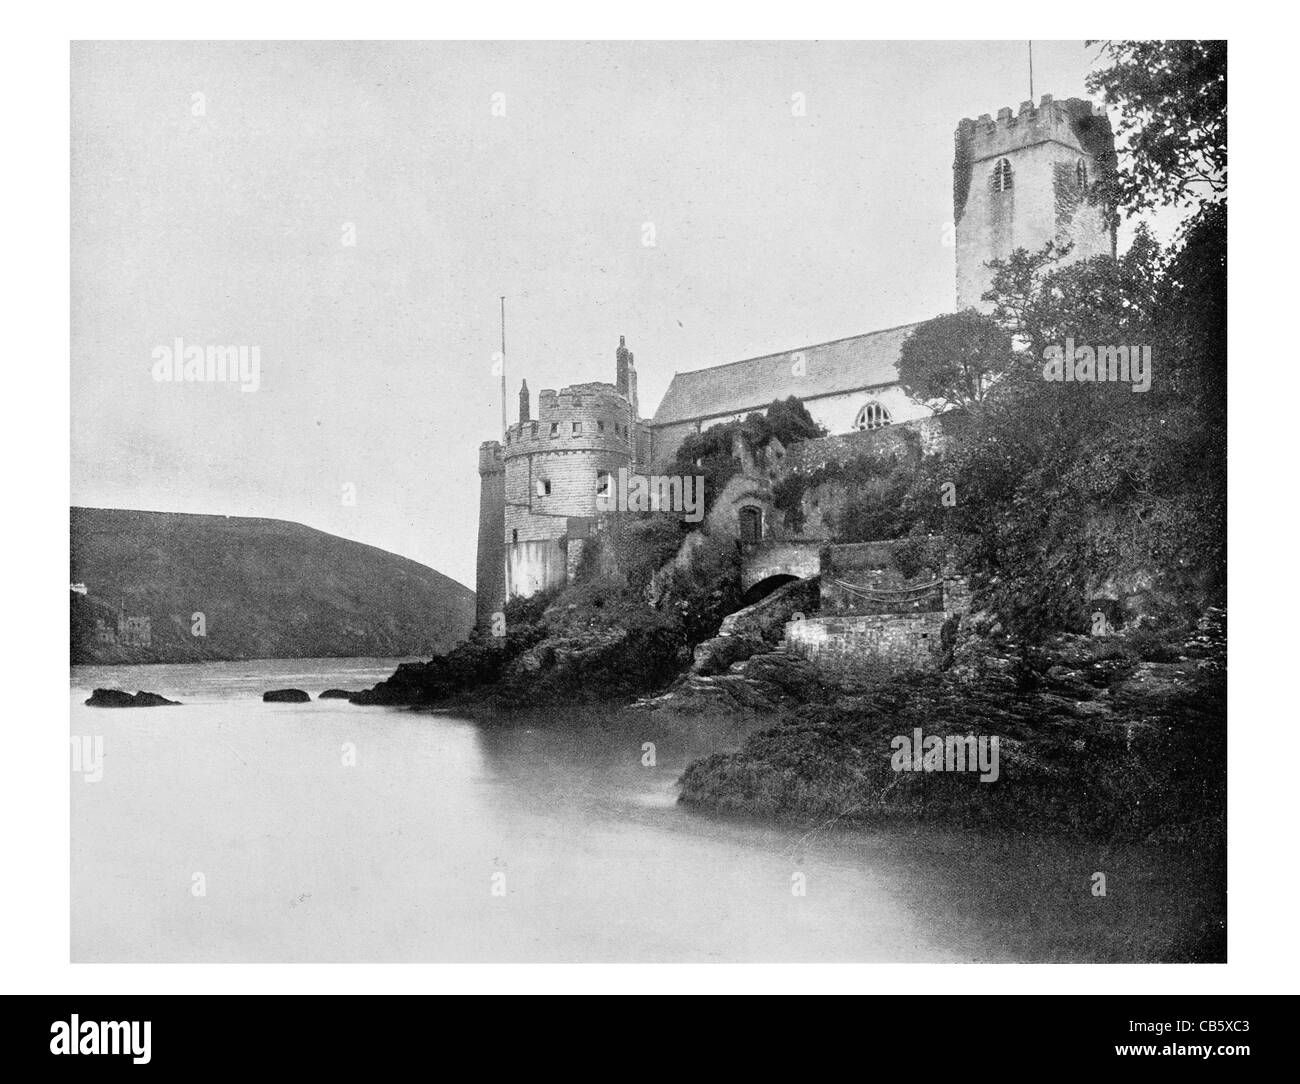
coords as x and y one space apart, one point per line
330 832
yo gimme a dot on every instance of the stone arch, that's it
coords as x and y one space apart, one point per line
765 587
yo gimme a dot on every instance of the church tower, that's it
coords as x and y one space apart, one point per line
1022 180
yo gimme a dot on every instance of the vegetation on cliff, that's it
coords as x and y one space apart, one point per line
711 454
233 587
1093 739
603 637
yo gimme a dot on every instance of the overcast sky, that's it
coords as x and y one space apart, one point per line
221 220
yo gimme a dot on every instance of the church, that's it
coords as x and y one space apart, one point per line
1020 180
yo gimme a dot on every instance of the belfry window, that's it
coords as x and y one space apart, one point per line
872 416
1002 176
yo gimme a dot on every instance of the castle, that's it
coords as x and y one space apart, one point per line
1019 181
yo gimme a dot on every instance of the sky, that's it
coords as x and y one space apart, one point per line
355 210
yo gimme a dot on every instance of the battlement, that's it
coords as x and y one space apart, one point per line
1076 122
592 416
490 459
579 397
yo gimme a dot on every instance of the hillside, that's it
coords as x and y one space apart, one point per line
265 589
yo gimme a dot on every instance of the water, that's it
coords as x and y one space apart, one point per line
395 856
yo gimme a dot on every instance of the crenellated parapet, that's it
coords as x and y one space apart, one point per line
590 417
1075 123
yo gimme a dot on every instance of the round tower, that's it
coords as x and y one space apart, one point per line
490 573
555 466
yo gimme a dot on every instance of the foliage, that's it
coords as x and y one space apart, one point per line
702 593
1173 102
879 492
919 551
952 360
644 543
1101 300
1062 486
711 454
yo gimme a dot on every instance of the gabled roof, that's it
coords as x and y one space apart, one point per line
860 361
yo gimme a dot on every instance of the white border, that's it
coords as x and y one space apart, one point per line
34 903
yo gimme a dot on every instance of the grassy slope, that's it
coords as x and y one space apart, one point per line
268 589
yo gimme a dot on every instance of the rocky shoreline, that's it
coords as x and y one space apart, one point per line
1093 738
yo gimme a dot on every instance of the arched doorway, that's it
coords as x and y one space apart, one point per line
751 523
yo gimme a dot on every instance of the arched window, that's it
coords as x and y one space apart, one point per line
872 416
1081 174
1002 176
751 523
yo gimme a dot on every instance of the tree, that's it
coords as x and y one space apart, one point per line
953 360
1101 300
789 421
1173 103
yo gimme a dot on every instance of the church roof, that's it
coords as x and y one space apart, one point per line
860 361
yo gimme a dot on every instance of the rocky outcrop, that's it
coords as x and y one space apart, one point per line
1093 738
285 696
336 694
757 628
592 663
116 698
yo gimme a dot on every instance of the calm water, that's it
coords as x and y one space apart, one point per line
396 857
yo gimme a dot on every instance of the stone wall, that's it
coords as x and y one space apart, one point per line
869 644
873 566
536 565
926 435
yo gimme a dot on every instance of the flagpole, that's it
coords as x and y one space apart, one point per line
505 425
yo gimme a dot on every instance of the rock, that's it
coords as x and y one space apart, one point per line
336 694
116 698
718 654
285 696
1090 709
1152 681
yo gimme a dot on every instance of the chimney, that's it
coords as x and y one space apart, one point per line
524 413
622 363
